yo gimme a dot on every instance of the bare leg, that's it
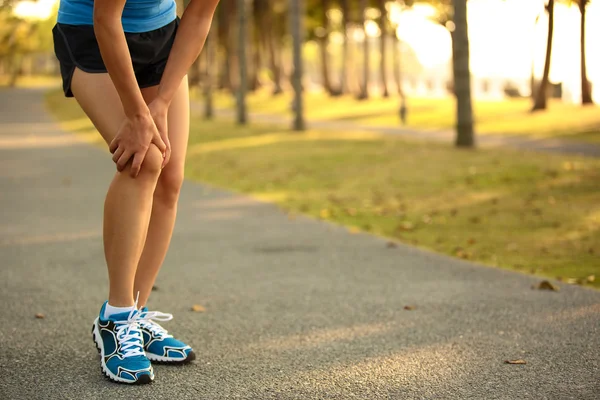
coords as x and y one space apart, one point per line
166 195
128 201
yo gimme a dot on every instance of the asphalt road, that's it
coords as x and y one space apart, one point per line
295 309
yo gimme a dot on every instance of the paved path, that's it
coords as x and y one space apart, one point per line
441 135
296 309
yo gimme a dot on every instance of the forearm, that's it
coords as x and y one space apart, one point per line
115 54
189 41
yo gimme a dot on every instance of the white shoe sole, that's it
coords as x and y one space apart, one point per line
105 370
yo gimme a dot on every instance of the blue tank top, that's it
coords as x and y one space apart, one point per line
138 15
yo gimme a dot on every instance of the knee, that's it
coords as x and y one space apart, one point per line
152 164
169 185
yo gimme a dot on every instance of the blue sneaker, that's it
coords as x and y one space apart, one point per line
158 344
120 343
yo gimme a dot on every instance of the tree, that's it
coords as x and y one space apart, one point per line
382 46
462 76
242 113
296 13
324 42
344 66
541 97
586 90
210 51
364 88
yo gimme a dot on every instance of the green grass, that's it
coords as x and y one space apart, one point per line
510 117
534 213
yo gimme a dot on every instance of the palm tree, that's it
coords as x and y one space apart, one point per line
296 14
242 113
344 68
465 136
382 46
324 42
586 90
210 49
541 98
364 89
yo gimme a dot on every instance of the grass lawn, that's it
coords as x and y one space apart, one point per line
512 117
535 213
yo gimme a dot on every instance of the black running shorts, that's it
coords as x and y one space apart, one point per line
76 46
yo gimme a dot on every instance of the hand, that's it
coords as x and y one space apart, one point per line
159 111
133 140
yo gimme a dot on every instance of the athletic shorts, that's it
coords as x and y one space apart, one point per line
75 46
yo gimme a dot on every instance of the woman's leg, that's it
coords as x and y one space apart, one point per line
129 201
166 195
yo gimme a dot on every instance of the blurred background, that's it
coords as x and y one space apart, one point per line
379 95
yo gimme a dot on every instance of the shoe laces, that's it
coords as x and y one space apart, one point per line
129 334
147 321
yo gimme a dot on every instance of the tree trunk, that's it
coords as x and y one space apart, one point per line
343 88
242 113
324 41
403 110
462 76
224 14
364 89
211 59
541 98
586 92
270 39
296 18
382 47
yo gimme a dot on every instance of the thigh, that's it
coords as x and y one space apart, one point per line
97 96
178 125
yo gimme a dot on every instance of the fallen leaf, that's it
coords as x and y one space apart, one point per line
475 220
409 308
325 213
591 278
406 226
546 285
198 308
426 219
471 241
353 230
571 281
391 245
351 211
516 362
40 316
154 288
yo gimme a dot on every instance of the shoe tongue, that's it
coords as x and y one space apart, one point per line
124 316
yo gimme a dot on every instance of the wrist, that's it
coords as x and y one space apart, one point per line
162 99
137 112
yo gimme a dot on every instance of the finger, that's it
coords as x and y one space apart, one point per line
124 159
114 145
159 143
136 165
117 154
167 155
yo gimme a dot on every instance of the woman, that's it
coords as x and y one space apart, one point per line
125 62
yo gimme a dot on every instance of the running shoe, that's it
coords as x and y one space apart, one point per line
158 344
120 343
